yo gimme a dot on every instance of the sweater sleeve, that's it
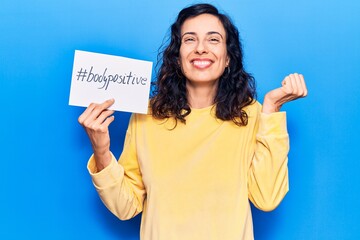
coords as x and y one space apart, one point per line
120 184
268 173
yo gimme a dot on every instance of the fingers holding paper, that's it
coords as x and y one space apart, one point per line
96 120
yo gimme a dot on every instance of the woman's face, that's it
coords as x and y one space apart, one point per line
203 54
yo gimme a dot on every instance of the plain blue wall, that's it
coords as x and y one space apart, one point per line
46 192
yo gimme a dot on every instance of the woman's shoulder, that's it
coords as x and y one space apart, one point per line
253 109
146 117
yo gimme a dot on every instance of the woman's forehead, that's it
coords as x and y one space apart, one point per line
203 23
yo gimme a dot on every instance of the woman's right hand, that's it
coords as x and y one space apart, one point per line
96 120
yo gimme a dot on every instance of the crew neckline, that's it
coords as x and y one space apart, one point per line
202 110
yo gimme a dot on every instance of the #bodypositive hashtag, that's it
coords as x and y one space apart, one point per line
104 79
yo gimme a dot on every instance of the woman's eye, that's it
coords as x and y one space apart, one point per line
214 40
189 40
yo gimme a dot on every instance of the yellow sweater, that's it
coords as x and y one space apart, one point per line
195 181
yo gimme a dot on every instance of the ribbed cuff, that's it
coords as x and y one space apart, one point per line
106 177
273 123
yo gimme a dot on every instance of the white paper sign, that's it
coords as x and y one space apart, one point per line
99 77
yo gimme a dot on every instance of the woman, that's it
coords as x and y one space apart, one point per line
205 148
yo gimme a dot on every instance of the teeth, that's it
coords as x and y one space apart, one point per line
202 63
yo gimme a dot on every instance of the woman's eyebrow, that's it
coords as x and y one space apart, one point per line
214 32
208 33
188 33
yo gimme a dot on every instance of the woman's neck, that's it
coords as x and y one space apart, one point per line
201 95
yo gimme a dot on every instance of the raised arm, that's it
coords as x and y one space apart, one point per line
119 185
268 172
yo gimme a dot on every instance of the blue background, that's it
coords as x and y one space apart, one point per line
46 192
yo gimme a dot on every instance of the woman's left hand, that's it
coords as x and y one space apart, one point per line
293 87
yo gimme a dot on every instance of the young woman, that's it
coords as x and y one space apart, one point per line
206 146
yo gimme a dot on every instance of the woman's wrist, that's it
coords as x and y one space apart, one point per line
270 106
102 160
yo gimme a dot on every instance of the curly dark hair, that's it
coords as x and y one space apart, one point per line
236 87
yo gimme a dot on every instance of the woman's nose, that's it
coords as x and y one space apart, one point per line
201 48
